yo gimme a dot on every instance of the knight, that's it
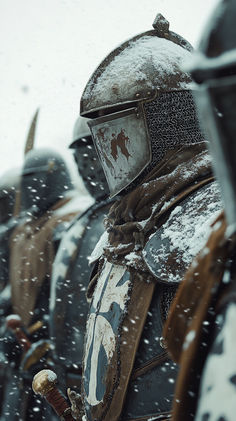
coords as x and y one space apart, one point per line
200 333
49 200
71 269
145 129
9 185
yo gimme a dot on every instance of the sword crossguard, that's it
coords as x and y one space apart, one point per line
14 324
44 384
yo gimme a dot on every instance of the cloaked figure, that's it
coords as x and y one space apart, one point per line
49 200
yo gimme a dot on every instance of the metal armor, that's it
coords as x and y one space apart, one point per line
140 105
117 321
70 279
213 69
19 401
9 186
45 179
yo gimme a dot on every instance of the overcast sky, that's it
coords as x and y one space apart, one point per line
49 48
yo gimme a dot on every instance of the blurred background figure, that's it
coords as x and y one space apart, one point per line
203 338
48 199
71 270
9 187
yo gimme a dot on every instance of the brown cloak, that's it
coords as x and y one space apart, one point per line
31 256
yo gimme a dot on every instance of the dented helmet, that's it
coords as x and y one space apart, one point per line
9 186
85 155
140 104
45 179
213 68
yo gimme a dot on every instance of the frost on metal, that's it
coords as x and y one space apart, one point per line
171 250
189 338
217 394
147 63
67 247
77 203
98 250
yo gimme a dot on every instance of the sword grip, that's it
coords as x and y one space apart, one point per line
59 404
13 323
44 384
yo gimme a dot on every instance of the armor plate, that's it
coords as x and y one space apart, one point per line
71 274
172 248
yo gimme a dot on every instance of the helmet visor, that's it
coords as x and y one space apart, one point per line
123 145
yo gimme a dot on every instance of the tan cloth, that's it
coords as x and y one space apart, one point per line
31 257
192 310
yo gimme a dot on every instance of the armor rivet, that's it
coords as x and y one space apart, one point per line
162 342
161 25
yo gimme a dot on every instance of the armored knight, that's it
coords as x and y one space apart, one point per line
201 334
9 184
48 197
71 270
145 129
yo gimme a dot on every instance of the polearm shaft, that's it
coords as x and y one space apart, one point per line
29 144
44 384
13 323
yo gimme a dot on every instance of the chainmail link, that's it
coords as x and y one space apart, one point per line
172 121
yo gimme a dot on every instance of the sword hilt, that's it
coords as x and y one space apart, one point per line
44 384
13 323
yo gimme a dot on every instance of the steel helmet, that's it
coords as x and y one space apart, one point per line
213 68
87 160
140 104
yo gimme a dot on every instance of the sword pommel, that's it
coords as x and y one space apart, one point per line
13 323
43 382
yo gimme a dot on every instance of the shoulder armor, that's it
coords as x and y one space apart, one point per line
171 249
59 230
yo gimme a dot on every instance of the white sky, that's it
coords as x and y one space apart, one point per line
49 48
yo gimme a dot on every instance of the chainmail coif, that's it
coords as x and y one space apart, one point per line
172 121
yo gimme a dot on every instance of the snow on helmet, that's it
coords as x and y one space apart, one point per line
140 104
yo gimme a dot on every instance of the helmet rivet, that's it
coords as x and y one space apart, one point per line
161 25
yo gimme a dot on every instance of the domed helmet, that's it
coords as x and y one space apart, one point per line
45 179
87 160
214 70
140 104
9 185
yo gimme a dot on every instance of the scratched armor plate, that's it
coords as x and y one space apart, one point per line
171 250
122 142
106 314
